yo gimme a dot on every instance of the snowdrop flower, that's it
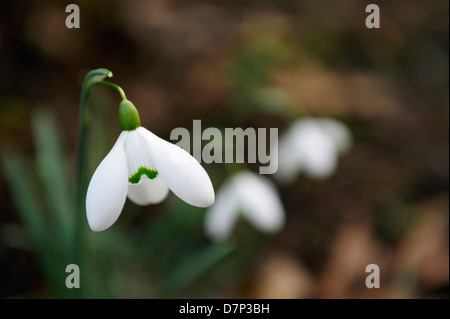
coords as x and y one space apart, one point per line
144 167
251 195
312 146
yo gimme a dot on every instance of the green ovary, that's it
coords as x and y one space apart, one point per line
136 177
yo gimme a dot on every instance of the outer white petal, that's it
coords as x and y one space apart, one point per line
148 191
221 217
108 187
313 148
338 132
318 153
288 161
181 172
259 201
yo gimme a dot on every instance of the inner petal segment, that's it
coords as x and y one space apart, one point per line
139 161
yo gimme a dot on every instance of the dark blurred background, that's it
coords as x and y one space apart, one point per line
258 64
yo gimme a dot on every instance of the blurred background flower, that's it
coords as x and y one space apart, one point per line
252 195
230 64
312 146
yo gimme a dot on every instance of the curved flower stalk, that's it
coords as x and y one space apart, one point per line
143 167
251 195
312 146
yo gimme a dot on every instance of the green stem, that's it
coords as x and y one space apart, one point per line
93 77
118 88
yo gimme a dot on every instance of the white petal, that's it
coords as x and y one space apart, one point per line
314 148
181 172
319 154
148 191
288 163
108 187
221 217
137 153
259 201
338 132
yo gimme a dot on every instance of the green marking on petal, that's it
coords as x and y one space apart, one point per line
151 174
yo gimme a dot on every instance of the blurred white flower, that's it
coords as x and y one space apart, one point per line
251 195
313 146
144 167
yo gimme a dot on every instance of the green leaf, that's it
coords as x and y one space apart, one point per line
53 172
192 268
20 179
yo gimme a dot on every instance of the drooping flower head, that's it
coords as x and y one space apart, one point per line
143 167
312 145
249 195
